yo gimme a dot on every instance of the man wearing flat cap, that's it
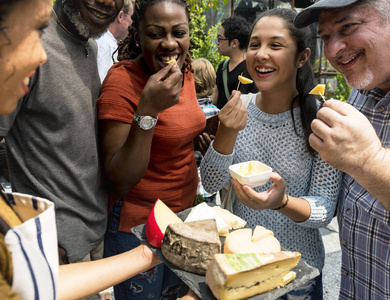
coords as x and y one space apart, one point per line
355 137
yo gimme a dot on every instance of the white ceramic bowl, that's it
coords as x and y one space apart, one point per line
259 178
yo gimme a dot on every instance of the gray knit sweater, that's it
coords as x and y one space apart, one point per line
272 140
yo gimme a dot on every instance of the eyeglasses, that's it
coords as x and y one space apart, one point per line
221 39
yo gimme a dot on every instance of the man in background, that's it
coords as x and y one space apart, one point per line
108 42
232 41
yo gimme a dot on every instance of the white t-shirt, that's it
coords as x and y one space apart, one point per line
107 45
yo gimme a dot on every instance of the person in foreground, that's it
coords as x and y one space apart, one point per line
56 121
355 136
274 129
28 235
149 118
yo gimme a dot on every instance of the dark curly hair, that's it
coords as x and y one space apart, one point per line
236 27
129 48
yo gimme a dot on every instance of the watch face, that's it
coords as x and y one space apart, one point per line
147 123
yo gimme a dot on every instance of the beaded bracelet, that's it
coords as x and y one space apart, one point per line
283 206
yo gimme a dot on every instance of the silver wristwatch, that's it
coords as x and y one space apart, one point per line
145 122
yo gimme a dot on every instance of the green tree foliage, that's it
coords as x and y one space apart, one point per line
343 90
203 41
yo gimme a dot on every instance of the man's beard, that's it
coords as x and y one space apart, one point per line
77 20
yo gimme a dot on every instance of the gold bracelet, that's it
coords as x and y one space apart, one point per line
283 206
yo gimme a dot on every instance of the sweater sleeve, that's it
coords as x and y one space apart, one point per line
214 169
323 193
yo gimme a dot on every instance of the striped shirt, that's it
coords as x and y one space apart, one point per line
364 222
33 246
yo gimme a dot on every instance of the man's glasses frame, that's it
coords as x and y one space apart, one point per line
219 38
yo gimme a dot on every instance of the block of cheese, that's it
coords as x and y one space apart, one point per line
240 276
203 212
242 241
233 221
191 246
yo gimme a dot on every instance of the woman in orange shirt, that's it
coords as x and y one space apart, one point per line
149 117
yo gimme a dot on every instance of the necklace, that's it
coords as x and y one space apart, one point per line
86 45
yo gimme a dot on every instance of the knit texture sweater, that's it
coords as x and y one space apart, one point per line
272 140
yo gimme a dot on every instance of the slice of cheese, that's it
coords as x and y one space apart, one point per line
233 221
203 212
191 246
244 80
240 276
242 241
260 233
319 89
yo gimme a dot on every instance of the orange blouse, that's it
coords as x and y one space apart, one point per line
172 174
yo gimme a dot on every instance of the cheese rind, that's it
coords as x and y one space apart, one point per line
191 246
239 276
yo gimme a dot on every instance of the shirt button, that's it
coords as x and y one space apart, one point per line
348 211
344 242
345 273
381 108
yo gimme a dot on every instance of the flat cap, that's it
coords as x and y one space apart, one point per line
310 14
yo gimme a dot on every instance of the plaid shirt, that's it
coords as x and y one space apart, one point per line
364 222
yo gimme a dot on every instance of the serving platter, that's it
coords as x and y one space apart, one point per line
198 282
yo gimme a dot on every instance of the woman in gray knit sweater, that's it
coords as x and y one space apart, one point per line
301 195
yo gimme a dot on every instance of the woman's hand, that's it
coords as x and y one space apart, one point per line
233 115
272 198
232 119
161 91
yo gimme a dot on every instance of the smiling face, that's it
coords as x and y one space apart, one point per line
164 35
21 50
91 18
272 55
356 44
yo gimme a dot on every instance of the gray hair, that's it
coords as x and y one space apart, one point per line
126 5
382 7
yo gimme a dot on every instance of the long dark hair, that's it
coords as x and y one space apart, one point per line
305 75
129 48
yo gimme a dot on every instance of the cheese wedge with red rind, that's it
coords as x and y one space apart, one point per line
158 220
240 276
